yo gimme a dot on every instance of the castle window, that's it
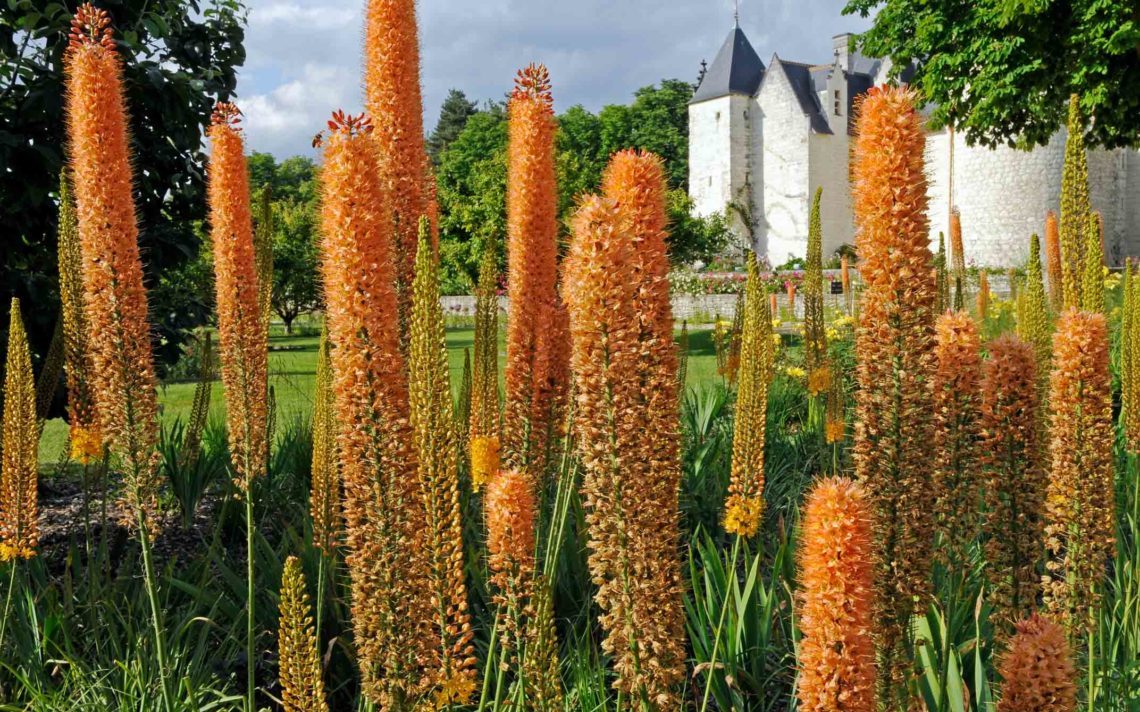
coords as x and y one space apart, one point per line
710 181
718 116
837 102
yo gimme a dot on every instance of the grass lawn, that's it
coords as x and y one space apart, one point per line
292 371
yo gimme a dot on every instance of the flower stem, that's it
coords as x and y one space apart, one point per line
720 623
155 611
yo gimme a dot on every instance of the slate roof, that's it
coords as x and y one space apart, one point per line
737 69
800 77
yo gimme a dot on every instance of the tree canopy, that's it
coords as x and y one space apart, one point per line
453 117
472 177
1001 71
179 58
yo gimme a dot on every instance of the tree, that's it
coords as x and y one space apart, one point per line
178 59
1001 71
453 117
296 286
294 200
471 175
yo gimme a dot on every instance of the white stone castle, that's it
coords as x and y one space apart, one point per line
763 138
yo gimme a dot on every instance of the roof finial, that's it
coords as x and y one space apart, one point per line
736 13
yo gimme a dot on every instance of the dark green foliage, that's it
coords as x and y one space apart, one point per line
1001 71
179 58
453 117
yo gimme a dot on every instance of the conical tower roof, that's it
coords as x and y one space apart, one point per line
737 69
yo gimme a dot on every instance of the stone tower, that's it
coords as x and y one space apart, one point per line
720 130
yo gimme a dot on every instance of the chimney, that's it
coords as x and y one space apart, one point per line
842 44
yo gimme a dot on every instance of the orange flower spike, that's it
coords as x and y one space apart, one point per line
1014 477
394 100
509 510
19 533
837 655
1079 506
894 349
1038 669
378 463
956 429
244 342
532 234
123 380
1053 260
626 422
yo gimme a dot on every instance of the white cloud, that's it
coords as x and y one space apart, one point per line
304 56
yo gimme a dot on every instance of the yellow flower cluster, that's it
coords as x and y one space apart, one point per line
86 444
742 515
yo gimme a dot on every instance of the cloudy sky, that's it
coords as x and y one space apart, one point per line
304 55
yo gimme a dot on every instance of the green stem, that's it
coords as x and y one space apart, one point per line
155 611
490 664
7 601
320 593
250 674
720 623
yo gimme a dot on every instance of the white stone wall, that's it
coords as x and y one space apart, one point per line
830 169
781 154
718 153
1004 194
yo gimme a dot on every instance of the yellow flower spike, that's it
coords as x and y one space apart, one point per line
299 661
745 506
1075 208
19 529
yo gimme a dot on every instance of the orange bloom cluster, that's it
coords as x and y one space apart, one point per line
532 233
433 433
394 101
383 510
1038 669
745 505
894 348
957 481
1079 506
122 371
957 259
983 296
627 426
241 331
509 512
19 530
1014 475
1053 267
836 657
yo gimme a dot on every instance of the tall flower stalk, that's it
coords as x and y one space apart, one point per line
383 510
1075 208
837 655
509 509
983 296
241 331
1079 507
1054 270
19 528
815 331
123 379
433 432
532 233
1034 324
942 277
393 98
484 425
894 348
744 508
1014 478
86 442
299 663
1092 294
957 260
324 490
957 480
1129 363
626 419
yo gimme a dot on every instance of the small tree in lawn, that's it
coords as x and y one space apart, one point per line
296 288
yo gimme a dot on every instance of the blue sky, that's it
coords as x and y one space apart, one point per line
304 55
